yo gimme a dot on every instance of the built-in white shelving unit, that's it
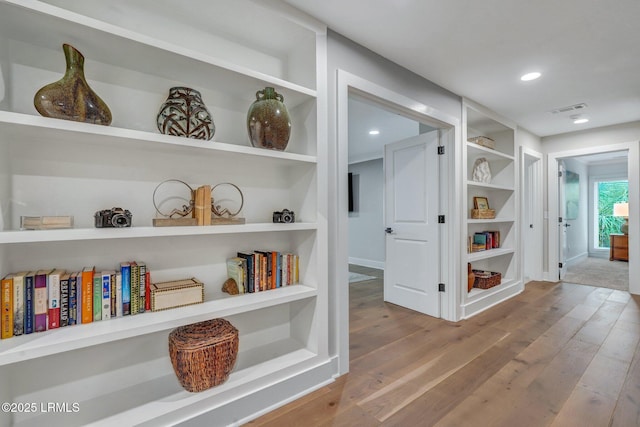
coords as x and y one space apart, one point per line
118 370
502 194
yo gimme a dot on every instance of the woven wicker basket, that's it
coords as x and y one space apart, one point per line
203 354
486 279
483 213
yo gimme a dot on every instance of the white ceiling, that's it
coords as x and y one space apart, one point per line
588 52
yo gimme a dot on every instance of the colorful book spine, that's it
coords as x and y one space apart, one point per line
97 297
135 288
53 293
113 293
142 273
125 271
6 302
106 295
278 270
119 312
64 300
40 306
87 294
147 295
73 299
249 276
29 292
18 303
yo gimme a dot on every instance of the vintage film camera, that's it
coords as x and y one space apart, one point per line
113 218
285 216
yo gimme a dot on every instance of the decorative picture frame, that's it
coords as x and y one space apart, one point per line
480 203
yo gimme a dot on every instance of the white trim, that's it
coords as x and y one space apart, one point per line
346 83
538 270
367 263
576 259
633 161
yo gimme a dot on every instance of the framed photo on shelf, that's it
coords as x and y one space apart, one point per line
480 203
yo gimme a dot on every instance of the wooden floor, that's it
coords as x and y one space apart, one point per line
556 355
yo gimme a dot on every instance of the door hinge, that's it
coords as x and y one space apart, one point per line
440 219
560 265
559 219
441 287
559 174
440 149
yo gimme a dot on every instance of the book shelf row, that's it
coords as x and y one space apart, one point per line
484 241
46 299
259 271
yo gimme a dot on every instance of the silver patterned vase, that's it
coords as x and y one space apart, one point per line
184 114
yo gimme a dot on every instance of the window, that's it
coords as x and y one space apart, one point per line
606 193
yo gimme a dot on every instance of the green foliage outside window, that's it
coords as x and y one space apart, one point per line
610 192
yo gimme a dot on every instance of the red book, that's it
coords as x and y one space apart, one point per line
40 300
147 293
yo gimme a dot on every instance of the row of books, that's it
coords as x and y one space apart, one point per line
259 271
485 240
36 301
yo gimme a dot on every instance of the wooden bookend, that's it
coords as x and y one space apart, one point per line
206 204
198 208
174 222
217 220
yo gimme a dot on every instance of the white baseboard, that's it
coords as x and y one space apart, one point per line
367 263
576 259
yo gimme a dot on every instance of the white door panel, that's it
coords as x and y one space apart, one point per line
412 266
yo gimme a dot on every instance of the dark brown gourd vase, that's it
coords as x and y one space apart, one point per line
268 121
71 98
471 277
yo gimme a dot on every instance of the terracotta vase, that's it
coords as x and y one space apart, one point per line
268 121
471 277
71 98
184 114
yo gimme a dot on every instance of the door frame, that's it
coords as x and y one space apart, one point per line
450 205
633 165
535 188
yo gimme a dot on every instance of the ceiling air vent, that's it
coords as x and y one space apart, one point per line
569 109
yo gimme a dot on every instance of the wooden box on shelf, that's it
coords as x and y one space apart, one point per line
483 141
483 213
486 279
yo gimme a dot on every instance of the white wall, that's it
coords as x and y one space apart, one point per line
577 241
345 55
366 235
529 140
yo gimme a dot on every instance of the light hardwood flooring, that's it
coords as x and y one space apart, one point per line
556 355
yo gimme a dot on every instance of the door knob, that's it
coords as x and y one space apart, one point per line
388 230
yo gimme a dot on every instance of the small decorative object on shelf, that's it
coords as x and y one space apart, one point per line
45 222
481 171
71 98
176 293
199 203
268 121
485 141
113 218
184 114
285 216
230 286
481 209
203 354
486 279
471 277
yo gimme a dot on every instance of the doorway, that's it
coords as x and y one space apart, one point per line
350 86
583 215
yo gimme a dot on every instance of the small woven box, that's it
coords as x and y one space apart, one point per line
203 354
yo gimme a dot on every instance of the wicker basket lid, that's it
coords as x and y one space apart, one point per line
203 334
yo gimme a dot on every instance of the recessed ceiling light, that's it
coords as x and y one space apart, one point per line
530 76
374 132
580 121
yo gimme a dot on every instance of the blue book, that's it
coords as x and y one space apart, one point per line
73 299
250 285
125 271
29 314
279 270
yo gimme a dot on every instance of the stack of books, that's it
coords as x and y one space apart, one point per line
257 271
484 240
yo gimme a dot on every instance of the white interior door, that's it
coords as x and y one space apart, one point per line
412 265
562 221
532 218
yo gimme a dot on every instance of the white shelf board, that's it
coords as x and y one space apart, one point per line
491 253
48 26
60 340
489 221
49 130
73 234
477 293
489 186
490 154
